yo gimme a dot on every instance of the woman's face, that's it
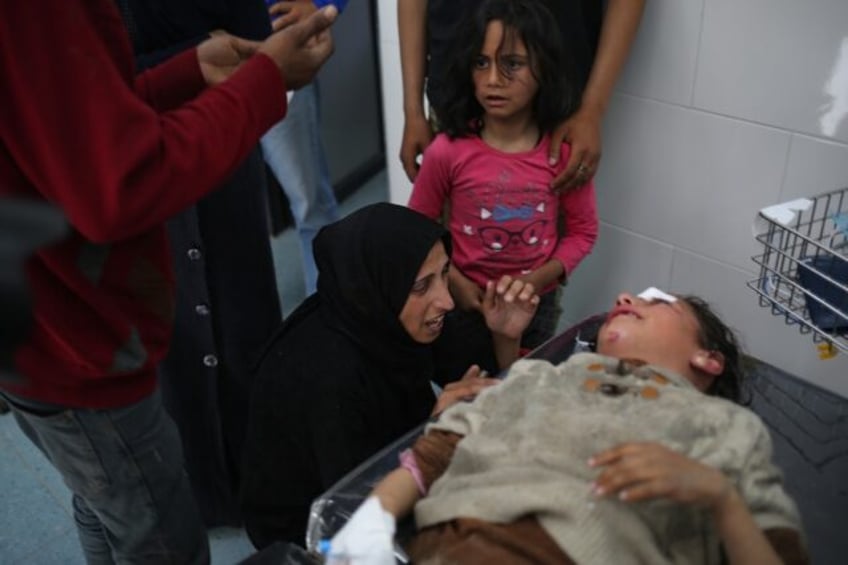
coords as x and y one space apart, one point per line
423 315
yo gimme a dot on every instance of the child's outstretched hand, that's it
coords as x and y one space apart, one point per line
645 471
509 306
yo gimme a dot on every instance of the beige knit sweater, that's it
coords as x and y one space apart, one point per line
527 442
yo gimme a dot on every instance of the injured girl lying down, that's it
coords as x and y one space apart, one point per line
639 453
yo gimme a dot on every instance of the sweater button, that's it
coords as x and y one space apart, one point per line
210 360
610 389
201 310
194 254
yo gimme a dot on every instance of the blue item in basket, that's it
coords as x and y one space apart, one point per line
810 275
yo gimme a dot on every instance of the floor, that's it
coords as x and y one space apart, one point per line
36 524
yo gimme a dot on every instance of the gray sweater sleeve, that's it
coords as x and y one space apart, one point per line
761 485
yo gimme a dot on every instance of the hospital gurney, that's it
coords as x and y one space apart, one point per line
809 427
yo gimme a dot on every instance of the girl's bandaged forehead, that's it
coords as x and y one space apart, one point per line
653 293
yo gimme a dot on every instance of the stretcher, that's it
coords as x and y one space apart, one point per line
809 428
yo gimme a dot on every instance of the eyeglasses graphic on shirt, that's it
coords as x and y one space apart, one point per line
498 239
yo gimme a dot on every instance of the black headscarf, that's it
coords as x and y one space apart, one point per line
367 264
341 378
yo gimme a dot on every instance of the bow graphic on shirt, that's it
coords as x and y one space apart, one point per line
503 213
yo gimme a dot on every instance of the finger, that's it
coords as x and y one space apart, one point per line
316 23
575 171
560 182
281 8
285 21
615 453
473 372
467 391
513 290
504 284
517 289
648 490
410 167
567 176
244 47
578 168
527 292
489 295
464 387
592 159
622 475
555 149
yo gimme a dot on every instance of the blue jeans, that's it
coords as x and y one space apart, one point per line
131 497
295 154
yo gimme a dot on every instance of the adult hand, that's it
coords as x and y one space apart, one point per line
417 135
473 382
221 54
583 131
465 292
287 12
645 471
509 306
300 49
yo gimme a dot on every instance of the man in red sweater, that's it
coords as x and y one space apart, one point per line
120 154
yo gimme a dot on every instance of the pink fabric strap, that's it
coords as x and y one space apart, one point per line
408 462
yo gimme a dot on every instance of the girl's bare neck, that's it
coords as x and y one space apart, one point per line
510 136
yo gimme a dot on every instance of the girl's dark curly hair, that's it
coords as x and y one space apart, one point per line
715 335
553 69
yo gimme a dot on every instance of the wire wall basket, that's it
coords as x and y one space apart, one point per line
803 274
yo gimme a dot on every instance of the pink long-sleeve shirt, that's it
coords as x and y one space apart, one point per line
503 213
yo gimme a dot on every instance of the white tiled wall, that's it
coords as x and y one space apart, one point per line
726 106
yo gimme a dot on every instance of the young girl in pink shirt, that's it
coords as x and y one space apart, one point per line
509 86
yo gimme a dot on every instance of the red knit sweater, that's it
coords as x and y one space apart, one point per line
119 155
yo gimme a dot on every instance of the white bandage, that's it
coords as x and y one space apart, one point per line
366 539
653 293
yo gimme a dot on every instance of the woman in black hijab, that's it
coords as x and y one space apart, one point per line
350 370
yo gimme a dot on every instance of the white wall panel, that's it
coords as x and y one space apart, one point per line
662 61
779 62
689 178
815 166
